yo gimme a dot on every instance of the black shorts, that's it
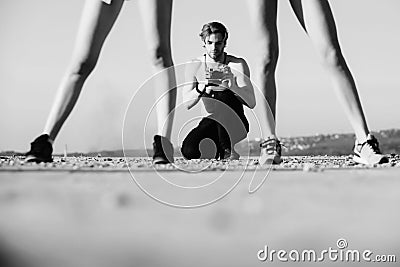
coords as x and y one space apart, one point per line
223 129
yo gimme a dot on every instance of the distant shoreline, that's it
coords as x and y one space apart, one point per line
320 144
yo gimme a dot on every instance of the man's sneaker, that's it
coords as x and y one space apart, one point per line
229 154
163 150
41 150
368 152
271 151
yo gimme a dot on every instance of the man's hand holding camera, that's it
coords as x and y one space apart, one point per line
220 79
228 79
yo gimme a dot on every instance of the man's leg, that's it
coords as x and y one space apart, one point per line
156 15
317 19
228 137
199 142
96 22
232 124
263 14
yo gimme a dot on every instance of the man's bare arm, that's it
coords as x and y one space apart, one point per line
190 94
241 84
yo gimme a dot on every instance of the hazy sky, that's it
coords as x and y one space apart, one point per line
37 38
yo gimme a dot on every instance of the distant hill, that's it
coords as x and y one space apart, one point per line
329 144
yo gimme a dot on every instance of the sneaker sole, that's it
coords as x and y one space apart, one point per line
160 160
37 159
269 160
359 160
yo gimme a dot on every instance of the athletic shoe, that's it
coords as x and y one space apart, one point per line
271 151
368 153
163 150
230 154
41 150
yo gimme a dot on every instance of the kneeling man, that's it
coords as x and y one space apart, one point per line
221 82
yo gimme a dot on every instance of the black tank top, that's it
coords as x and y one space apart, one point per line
230 99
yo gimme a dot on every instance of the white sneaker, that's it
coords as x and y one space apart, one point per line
271 151
368 153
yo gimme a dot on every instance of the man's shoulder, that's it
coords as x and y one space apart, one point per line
235 59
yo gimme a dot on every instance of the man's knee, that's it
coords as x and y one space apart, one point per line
190 152
206 149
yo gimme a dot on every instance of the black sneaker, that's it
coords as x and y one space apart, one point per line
41 150
228 154
163 150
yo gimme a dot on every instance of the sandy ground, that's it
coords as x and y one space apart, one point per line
70 214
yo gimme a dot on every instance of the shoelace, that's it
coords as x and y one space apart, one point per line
373 143
268 142
272 144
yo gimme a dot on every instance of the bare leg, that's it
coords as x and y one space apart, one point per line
263 15
97 21
156 15
316 18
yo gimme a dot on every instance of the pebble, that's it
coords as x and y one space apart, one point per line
302 163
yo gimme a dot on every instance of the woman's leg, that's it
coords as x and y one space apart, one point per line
263 14
156 16
96 22
317 19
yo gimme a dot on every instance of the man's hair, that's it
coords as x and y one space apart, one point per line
213 28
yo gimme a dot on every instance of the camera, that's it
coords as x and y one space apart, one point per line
215 76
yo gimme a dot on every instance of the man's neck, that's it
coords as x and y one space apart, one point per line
220 59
